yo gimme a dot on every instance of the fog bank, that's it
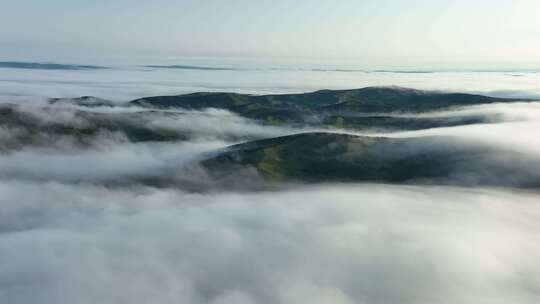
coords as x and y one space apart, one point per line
330 244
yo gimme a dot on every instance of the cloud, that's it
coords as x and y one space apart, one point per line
329 244
511 127
51 126
81 223
118 145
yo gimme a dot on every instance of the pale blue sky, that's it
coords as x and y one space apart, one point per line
382 32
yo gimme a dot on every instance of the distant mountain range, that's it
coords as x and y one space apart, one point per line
366 108
365 100
47 66
64 66
371 108
335 108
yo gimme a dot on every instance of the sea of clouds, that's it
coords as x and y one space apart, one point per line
130 82
70 233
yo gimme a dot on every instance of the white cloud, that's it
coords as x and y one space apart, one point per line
330 244
66 237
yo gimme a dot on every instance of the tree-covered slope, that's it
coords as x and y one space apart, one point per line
335 108
321 157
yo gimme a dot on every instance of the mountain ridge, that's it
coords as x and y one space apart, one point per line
326 97
335 108
327 108
337 157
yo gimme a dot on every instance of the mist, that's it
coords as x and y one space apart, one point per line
110 204
330 244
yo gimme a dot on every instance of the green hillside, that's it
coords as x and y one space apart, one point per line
334 108
326 157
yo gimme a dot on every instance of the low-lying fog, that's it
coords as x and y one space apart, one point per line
326 244
69 234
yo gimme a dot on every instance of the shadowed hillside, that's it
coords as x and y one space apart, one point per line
335 108
320 157
366 100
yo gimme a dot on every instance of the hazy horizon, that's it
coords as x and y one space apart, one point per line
384 34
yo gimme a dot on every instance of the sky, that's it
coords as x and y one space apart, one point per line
391 33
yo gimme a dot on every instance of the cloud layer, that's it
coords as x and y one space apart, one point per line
330 244
80 223
127 83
